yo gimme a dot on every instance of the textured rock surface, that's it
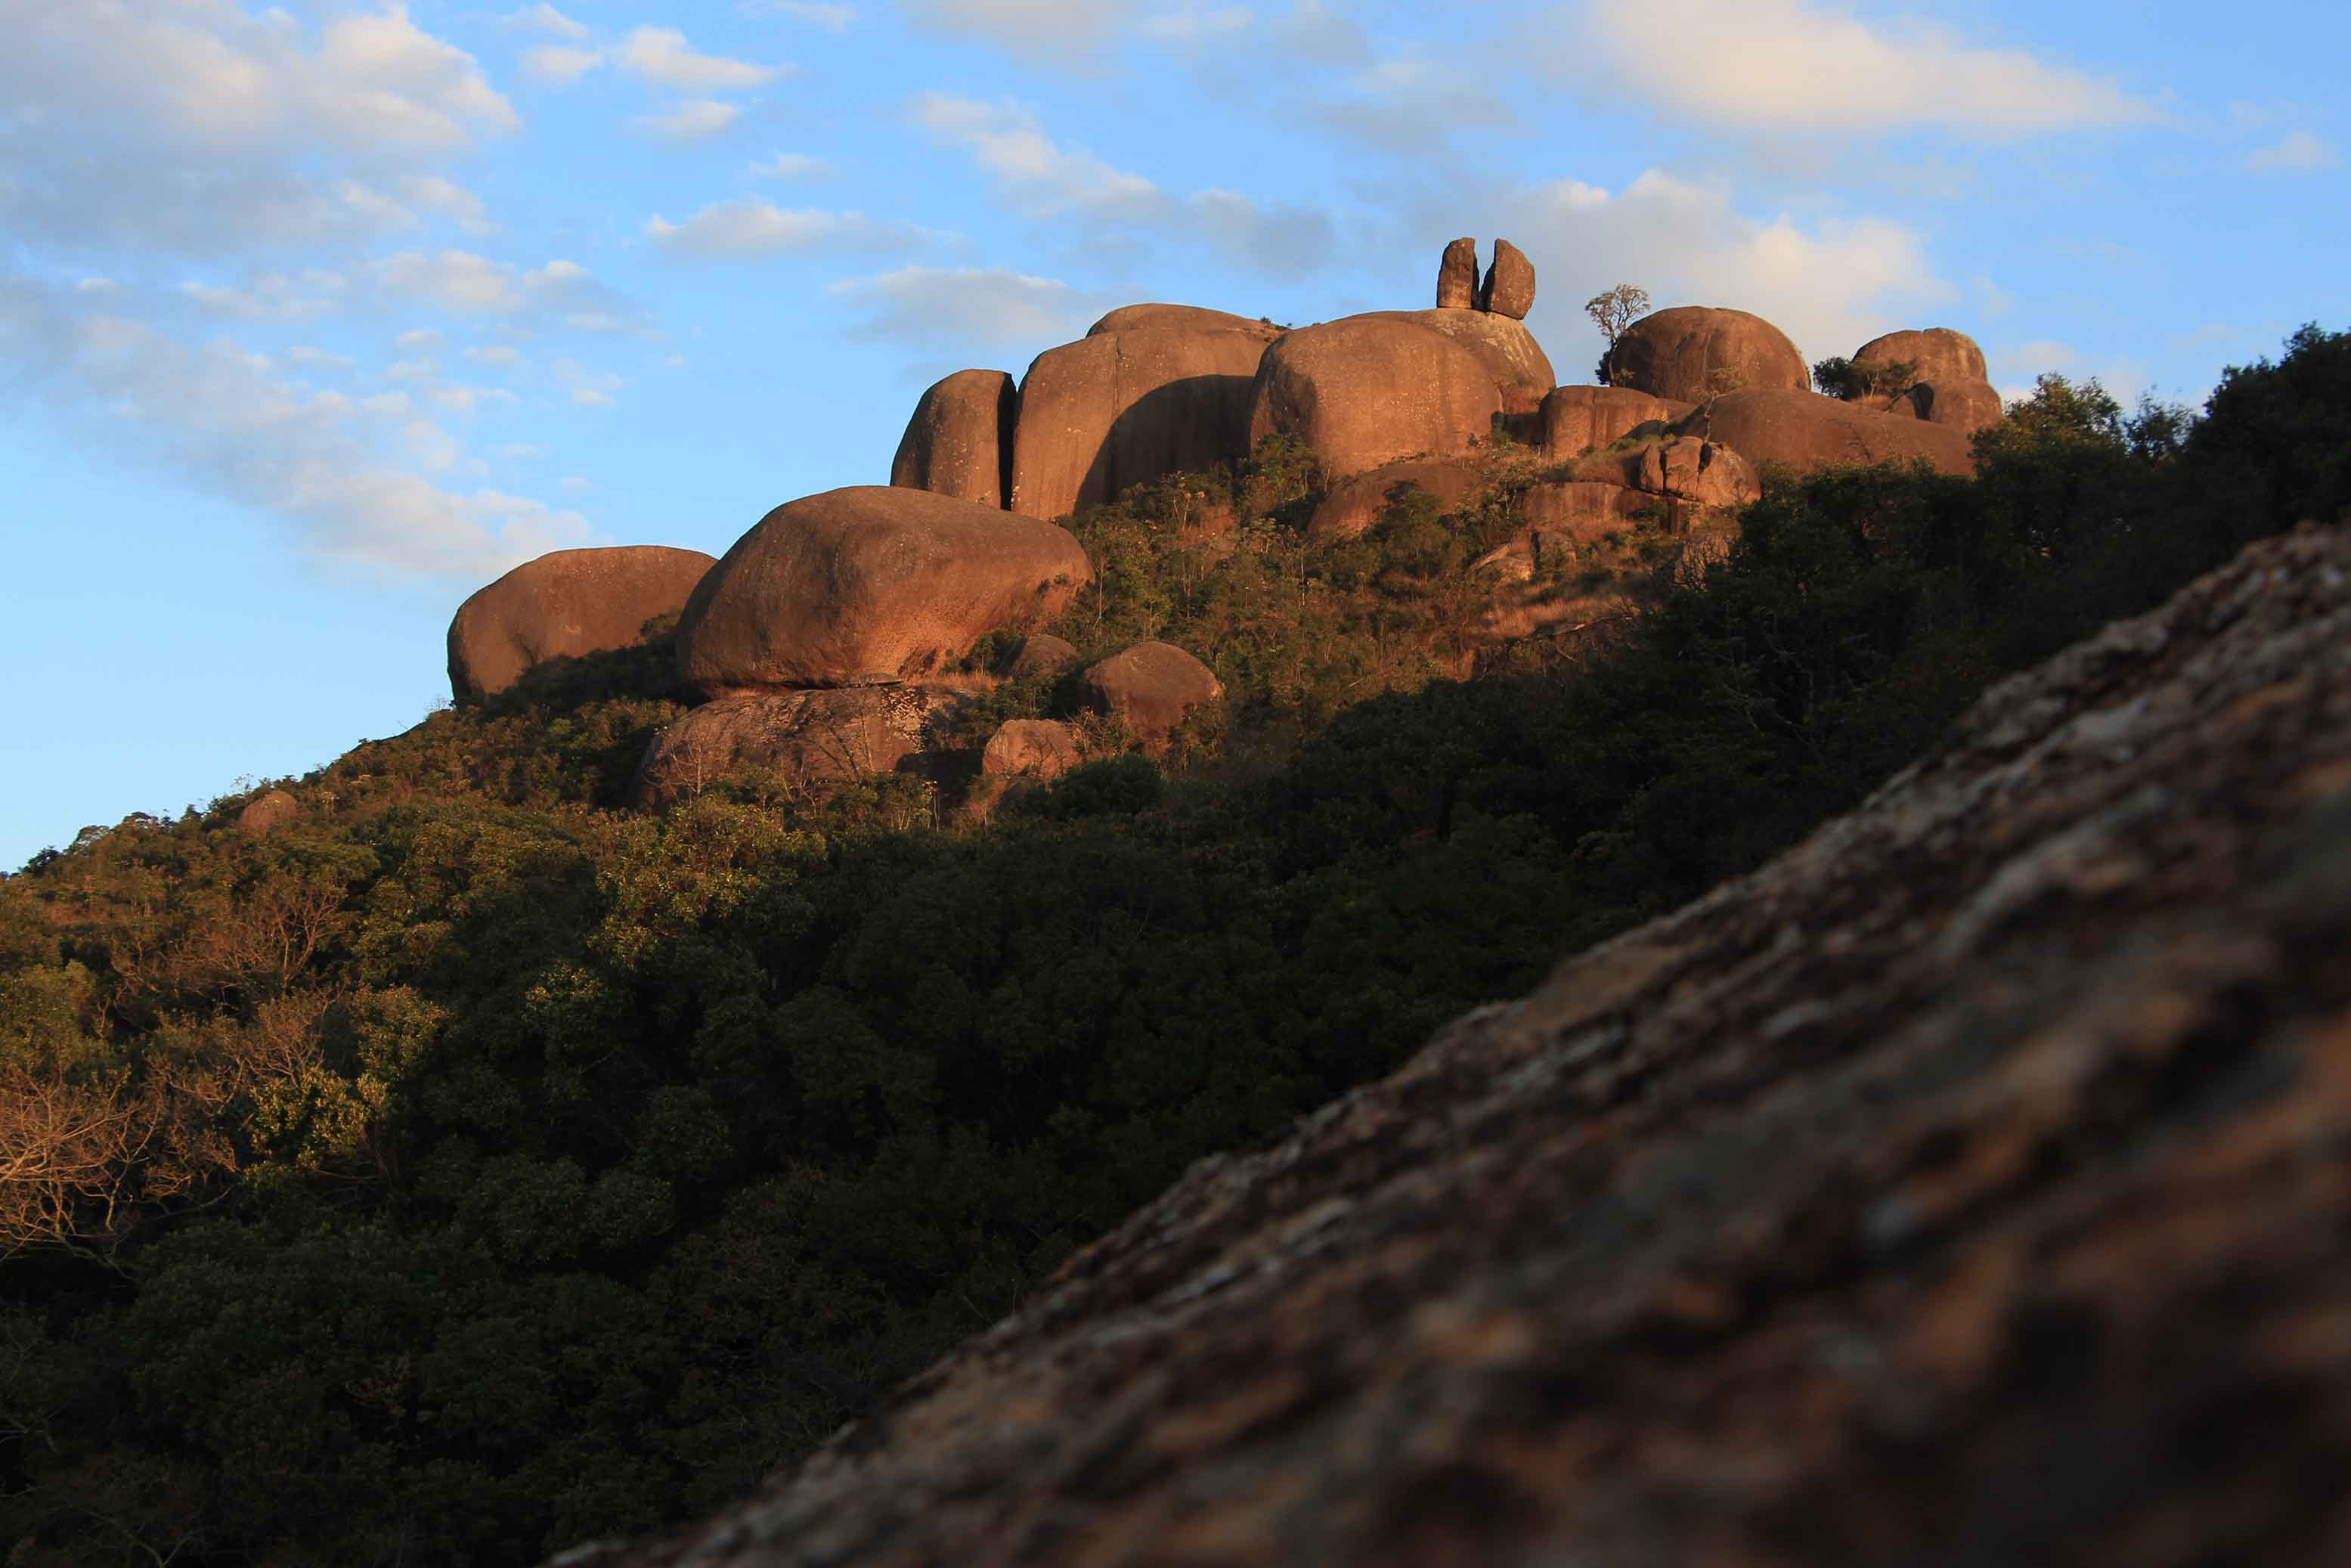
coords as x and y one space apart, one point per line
563 605
1967 1186
1577 419
1510 286
1582 510
869 584
1372 389
1354 505
1192 318
1132 405
1967 406
1043 747
1933 353
266 813
959 442
812 741
1456 276
1041 653
1150 687
1692 351
1521 370
1806 431
1705 473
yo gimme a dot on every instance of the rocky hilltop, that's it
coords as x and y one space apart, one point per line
1966 1186
895 587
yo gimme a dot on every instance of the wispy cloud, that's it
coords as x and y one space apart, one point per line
661 56
747 228
981 308
1032 171
2299 153
693 121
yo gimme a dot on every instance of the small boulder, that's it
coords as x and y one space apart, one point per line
1369 390
1355 505
1133 404
563 605
1150 687
1933 354
959 442
268 812
869 584
1510 286
1043 654
812 741
1577 419
1692 352
1967 406
1043 747
1808 431
1687 469
1456 276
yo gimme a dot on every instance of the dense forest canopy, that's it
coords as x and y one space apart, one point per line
472 1168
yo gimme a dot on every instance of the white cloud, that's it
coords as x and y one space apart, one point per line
588 389
271 296
660 55
689 122
499 355
1026 27
418 339
1194 25
337 471
443 196
2300 153
462 282
1831 285
1031 170
575 485
461 398
1412 101
423 368
545 19
793 166
753 228
984 308
834 19
310 354
559 64
1792 65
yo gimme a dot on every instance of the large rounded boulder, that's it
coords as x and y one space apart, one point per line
1041 748
1692 352
870 584
1187 318
1371 388
562 606
812 741
959 442
1933 353
1521 370
1150 688
1577 419
1132 405
1806 432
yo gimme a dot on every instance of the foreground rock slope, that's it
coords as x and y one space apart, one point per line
1969 1185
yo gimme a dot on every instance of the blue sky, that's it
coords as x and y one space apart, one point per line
313 318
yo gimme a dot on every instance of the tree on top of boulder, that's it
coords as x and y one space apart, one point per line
1851 380
1614 311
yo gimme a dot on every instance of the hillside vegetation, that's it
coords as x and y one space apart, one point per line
472 1168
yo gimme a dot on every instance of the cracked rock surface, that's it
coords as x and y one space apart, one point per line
1969 1186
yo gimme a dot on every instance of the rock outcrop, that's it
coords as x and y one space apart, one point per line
1187 318
1933 354
564 605
1041 655
959 442
1577 419
268 812
1704 473
1369 390
1355 505
1510 286
812 741
1038 747
1806 431
1151 688
1131 405
1692 352
1966 406
869 584
1456 276
1521 370
1966 1186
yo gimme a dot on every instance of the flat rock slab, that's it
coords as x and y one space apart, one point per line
1967 1186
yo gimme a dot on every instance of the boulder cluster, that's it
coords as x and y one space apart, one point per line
835 638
